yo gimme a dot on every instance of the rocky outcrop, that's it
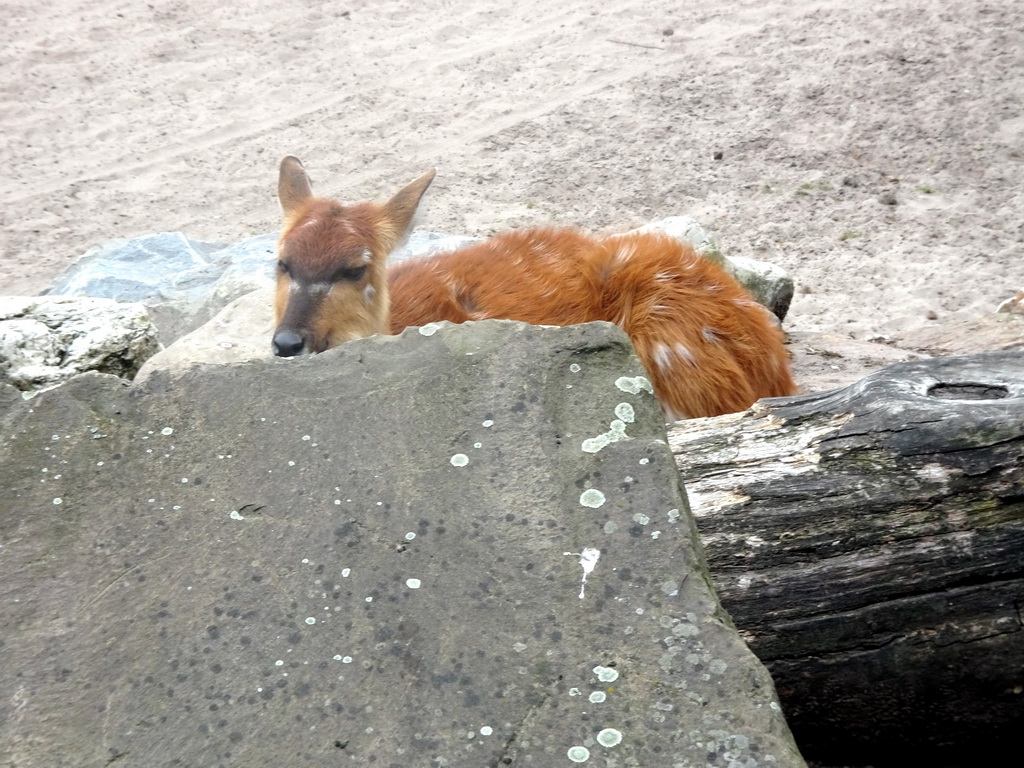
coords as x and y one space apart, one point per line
462 546
184 282
239 332
47 340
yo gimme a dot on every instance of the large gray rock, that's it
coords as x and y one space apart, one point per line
239 332
461 546
47 340
184 282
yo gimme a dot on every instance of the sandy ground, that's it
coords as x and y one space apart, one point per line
873 149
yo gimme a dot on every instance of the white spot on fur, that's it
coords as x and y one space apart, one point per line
685 354
710 335
625 253
662 356
317 288
454 289
369 294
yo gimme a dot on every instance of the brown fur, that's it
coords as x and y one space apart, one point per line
708 347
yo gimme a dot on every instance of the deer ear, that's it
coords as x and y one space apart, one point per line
293 186
400 209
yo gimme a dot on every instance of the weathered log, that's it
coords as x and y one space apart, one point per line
869 543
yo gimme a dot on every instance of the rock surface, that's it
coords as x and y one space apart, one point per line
462 546
239 332
47 340
184 282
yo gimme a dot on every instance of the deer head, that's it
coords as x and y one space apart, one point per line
331 271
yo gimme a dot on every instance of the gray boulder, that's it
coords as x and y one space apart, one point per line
46 340
461 546
239 332
184 282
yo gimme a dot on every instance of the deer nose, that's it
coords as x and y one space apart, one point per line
288 344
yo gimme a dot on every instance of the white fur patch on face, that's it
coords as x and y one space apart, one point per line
309 288
367 256
369 295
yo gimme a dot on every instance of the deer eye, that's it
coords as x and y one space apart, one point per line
352 274
282 267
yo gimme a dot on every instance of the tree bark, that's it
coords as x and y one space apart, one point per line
869 544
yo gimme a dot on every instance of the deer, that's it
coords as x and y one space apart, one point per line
707 346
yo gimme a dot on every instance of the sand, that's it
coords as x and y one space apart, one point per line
873 149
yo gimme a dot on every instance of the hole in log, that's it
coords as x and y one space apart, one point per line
968 391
